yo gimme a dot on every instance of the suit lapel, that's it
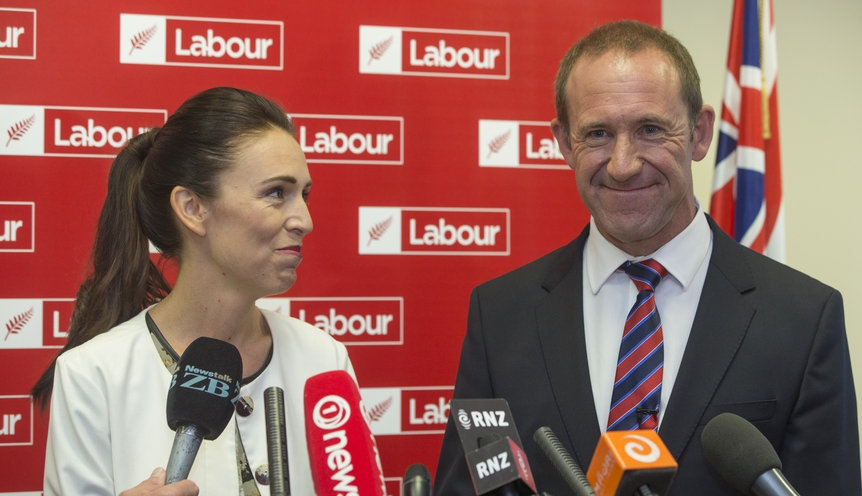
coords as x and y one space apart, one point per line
720 324
560 324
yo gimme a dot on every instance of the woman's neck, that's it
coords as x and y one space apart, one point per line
184 316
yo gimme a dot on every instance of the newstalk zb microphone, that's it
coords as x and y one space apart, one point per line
201 399
629 461
341 449
744 457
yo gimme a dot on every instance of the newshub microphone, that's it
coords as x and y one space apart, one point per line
628 463
744 457
201 400
341 449
492 447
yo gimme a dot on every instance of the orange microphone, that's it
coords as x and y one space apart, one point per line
631 463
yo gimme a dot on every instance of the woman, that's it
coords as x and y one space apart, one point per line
221 188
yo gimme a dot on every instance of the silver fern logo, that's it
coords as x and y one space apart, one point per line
141 38
376 412
498 143
19 129
16 323
379 229
377 50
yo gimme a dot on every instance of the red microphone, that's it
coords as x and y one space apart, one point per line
341 449
628 463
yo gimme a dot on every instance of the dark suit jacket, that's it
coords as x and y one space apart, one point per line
767 343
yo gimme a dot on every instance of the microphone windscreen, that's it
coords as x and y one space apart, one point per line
417 470
737 450
205 386
417 481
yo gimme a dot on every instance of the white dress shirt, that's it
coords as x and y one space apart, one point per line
609 295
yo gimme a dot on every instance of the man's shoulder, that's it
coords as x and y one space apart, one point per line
740 263
545 271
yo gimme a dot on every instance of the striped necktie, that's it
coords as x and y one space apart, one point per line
637 385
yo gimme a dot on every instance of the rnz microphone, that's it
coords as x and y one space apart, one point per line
744 457
628 463
498 465
276 441
201 400
341 449
563 461
500 468
417 481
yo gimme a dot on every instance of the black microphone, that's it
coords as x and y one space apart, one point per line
201 400
500 487
744 457
563 461
276 441
417 481
499 465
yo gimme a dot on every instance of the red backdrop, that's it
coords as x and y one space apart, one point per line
426 129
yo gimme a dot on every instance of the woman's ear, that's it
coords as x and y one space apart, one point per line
189 209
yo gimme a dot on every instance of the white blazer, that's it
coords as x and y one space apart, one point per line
108 429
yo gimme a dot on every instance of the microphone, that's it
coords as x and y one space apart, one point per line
200 400
628 463
563 461
744 457
341 449
492 447
276 441
417 481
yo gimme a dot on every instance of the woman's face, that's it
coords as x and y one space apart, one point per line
256 224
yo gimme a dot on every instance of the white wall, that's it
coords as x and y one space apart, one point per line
820 101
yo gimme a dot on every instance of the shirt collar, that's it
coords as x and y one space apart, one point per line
681 256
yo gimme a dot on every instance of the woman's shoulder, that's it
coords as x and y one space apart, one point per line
285 327
111 345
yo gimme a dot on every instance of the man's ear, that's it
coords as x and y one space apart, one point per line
702 133
563 140
189 209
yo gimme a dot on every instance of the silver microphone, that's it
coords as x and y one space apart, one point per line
276 441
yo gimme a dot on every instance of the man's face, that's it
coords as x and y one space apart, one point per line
631 144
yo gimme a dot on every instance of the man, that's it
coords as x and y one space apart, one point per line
739 332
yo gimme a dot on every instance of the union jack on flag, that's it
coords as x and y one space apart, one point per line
747 198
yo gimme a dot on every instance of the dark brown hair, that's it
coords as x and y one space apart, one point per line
630 37
195 145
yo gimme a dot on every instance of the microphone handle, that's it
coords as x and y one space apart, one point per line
187 441
507 490
645 490
773 483
416 486
276 441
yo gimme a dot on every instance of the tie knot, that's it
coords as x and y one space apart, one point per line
646 274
